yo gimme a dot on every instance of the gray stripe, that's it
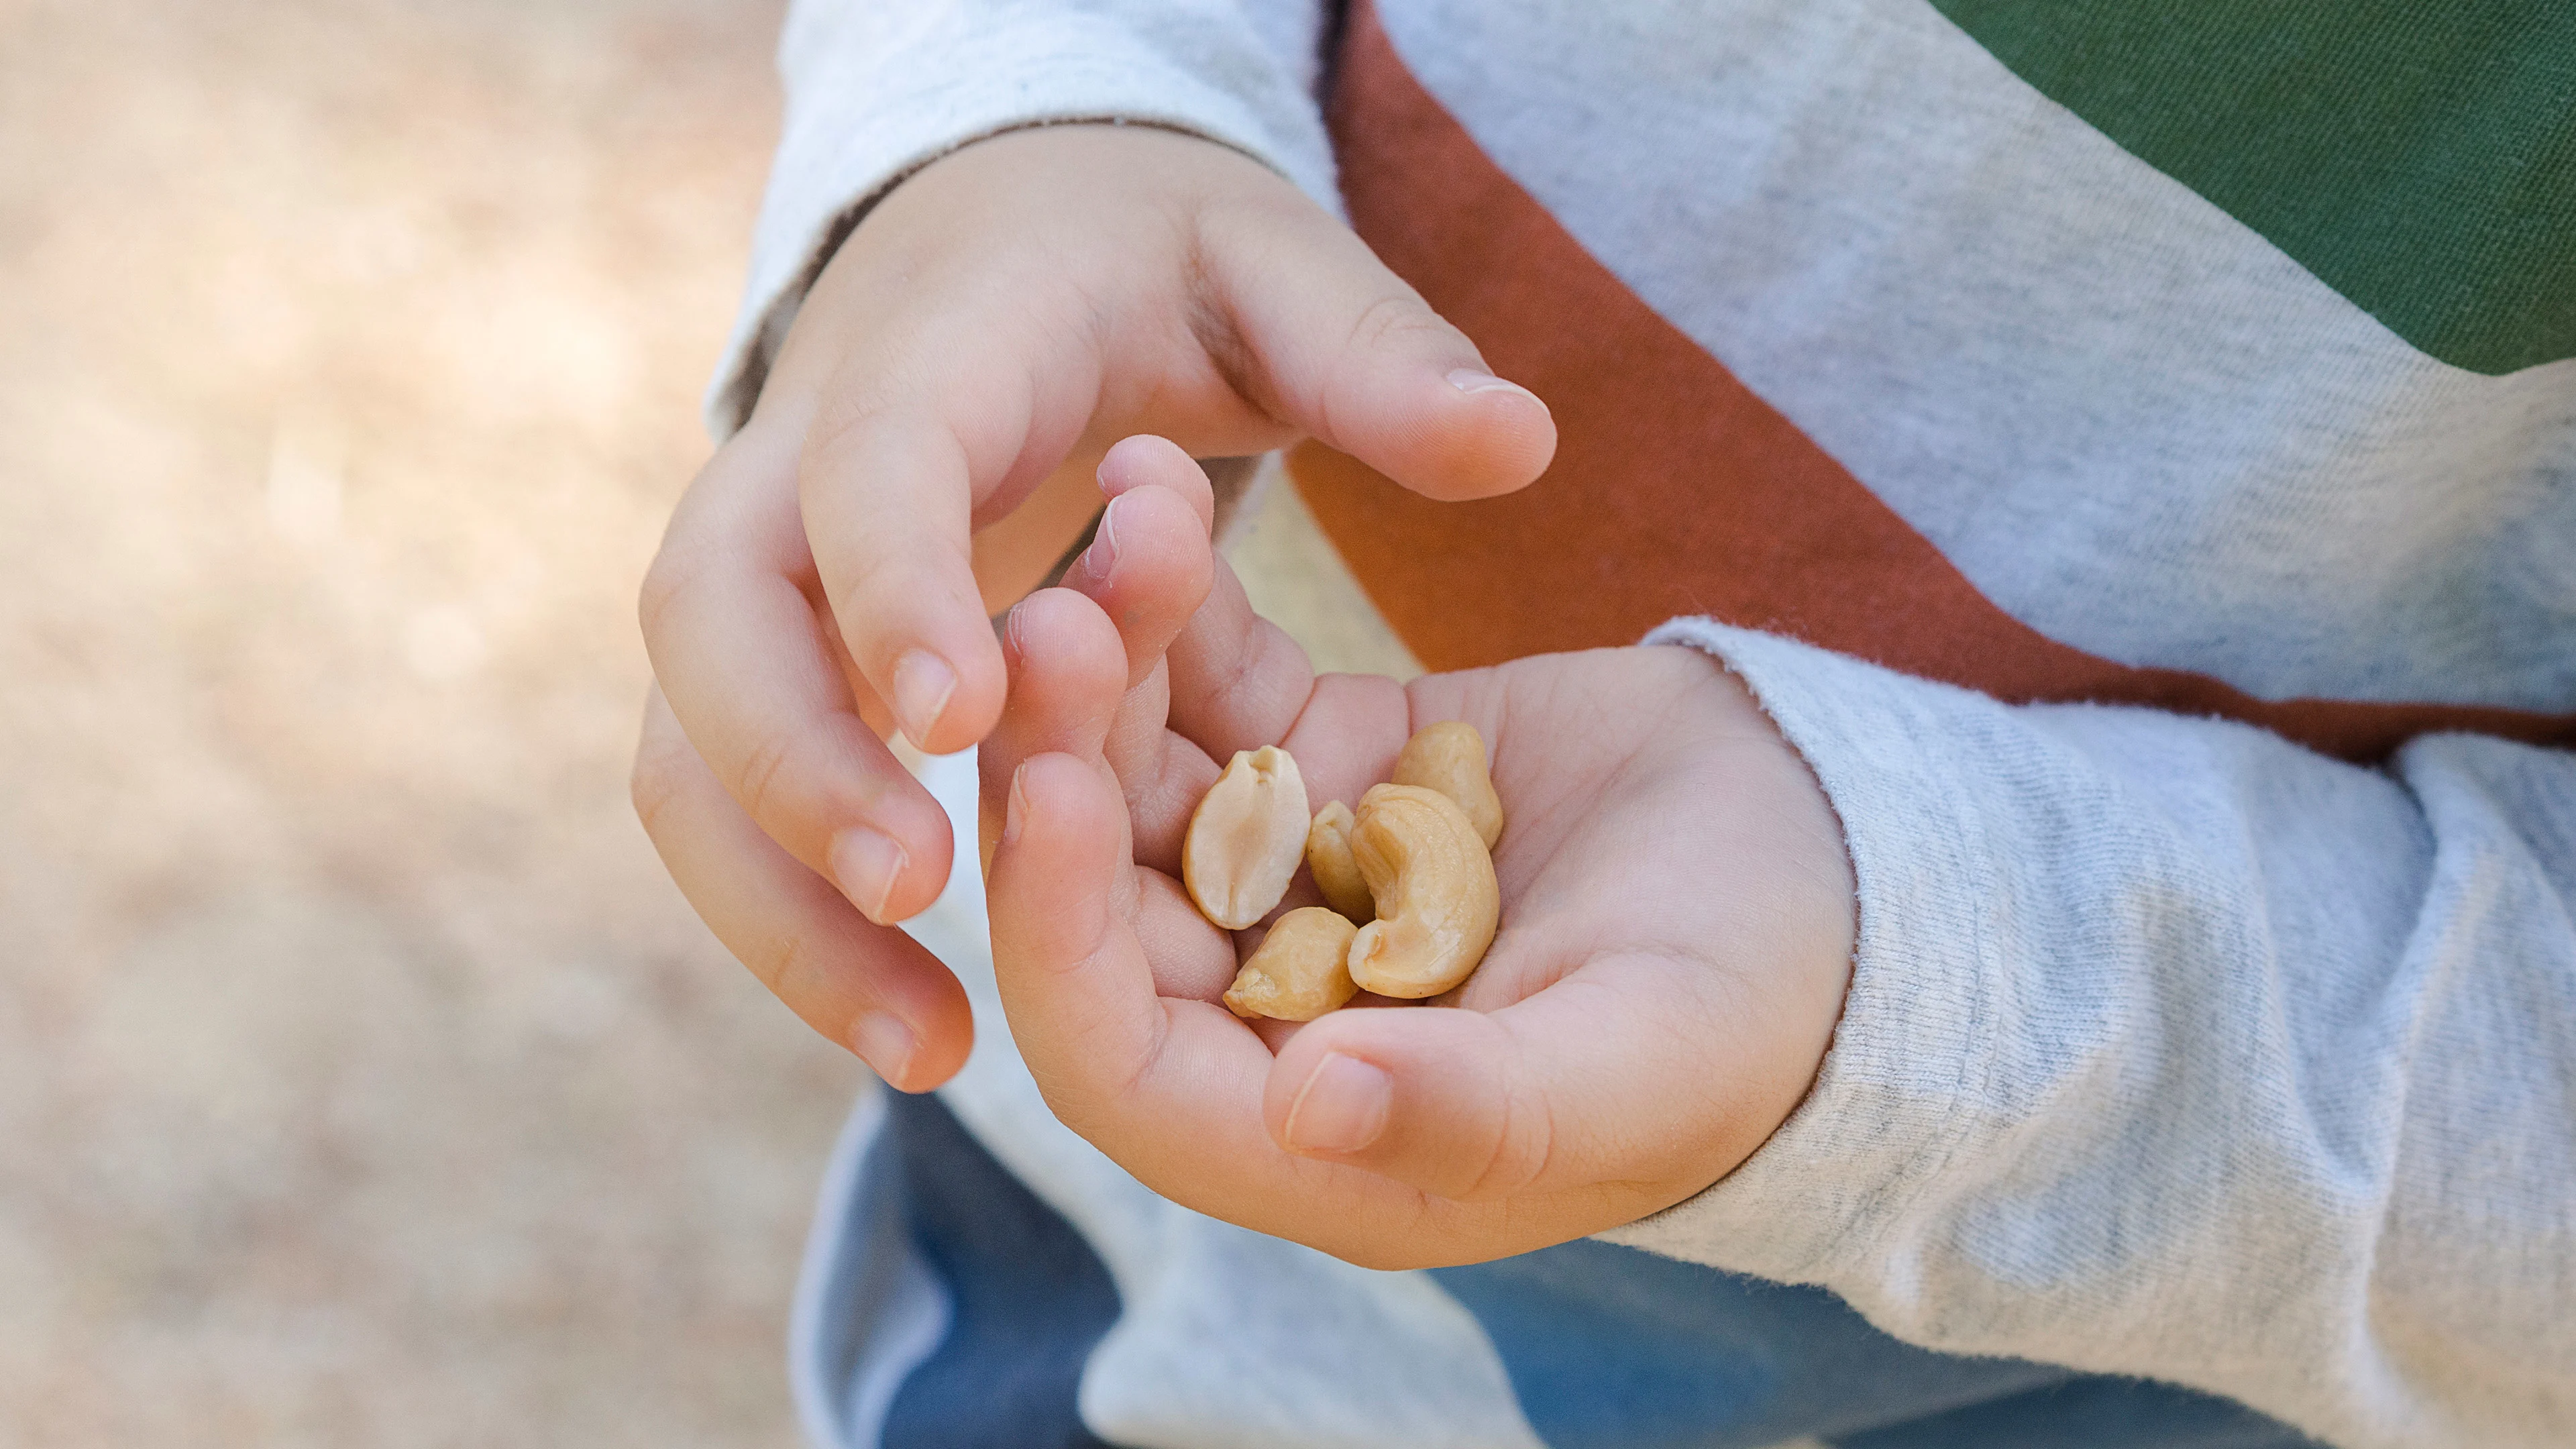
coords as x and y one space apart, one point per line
2133 423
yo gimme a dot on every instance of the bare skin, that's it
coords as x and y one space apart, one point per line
1677 904
932 424
1678 919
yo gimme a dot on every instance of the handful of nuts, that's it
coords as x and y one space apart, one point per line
1409 875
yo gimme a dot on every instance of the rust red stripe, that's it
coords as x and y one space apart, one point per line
1675 490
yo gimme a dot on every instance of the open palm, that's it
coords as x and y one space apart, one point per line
1676 924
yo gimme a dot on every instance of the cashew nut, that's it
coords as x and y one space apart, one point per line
1246 838
1328 855
1433 881
1450 757
1298 974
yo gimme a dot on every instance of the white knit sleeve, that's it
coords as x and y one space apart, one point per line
2175 1050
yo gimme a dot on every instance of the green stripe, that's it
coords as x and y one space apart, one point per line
2418 156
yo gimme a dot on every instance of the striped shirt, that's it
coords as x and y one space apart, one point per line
2131 451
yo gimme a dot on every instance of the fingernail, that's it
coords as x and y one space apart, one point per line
884 1043
1015 810
1342 1107
865 863
1468 379
1011 646
922 683
1102 556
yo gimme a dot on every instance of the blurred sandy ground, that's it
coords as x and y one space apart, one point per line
362 1078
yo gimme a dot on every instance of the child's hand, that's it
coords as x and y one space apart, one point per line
998 318
1676 929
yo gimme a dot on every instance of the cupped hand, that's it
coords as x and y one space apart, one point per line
1677 923
923 448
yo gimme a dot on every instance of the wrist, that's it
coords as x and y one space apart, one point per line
1791 867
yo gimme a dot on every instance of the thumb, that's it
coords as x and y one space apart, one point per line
1344 349
1606 1092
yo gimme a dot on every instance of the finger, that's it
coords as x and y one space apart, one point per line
1349 734
1191 959
1064 659
1081 994
1150 569
870 988
1146 460
913 436
1238 681
872 711
1601 1081
1354 356
747 672
1149 564
1068 672
1170 1088
1162 775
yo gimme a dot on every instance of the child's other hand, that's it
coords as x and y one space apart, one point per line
1676 929
922 450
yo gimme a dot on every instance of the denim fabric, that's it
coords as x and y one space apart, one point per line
1607 1347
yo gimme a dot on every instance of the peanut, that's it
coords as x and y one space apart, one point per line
1433 881
1450 757
1246 838
1299 972
1328 855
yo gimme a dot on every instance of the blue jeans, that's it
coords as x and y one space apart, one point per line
1607 1347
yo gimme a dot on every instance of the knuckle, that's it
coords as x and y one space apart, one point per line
1523 1143
780 962
868 400
1396 319
842 428
666 580
654 784
765 772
